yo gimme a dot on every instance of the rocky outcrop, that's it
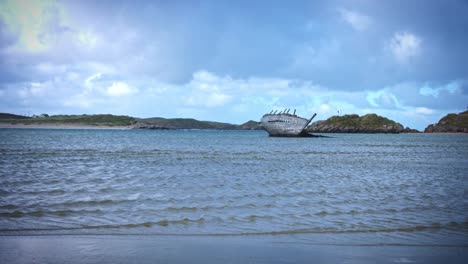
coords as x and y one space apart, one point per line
251 125
451 123
189 123
370 123
143 125
180 123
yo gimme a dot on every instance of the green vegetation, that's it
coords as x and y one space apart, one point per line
455 120
6 116
90 120
451 123
114 120
185 123
369 121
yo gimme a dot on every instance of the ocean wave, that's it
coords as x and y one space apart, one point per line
41 213
164 223
452 226
90 202
45 192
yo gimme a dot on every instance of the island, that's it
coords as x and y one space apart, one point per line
66 121
451 123
109 121
370 123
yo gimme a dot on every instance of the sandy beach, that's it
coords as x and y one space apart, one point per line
186 249
60 126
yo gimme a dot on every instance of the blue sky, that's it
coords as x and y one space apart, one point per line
233 61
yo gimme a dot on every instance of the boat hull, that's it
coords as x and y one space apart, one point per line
284 125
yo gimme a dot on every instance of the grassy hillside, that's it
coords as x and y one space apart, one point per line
92 120
6 116
455 120
186 123
450 123
370 123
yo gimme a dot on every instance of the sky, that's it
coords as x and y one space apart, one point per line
233 61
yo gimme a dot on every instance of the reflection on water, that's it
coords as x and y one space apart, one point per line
401 188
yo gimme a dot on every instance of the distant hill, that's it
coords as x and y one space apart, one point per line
180 123
451 123
251 125
190 123
370 123
4 116
136 123
91 120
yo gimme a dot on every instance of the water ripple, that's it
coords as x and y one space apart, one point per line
233 183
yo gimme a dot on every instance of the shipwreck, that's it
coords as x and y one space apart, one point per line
284 124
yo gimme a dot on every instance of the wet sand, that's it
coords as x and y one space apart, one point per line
60 126
228 249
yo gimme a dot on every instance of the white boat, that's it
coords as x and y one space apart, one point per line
284 124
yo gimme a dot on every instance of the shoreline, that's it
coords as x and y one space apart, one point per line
101 127
171 249
61 126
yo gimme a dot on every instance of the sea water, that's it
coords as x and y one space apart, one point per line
348 188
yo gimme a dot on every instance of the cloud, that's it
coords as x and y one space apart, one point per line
89 81
225 65
424 111
383 98
358 21
31 22
120 89
405 46
451 88
208 90
88 39
235 100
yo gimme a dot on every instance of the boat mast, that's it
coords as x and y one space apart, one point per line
308 122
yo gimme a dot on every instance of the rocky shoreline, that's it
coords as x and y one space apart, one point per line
368 124
188 123
451 123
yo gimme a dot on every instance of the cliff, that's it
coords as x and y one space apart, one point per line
370 123
451 123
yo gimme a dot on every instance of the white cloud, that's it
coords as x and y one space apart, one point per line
120 89
383 98
405 46
424 111
32 90
325 108
208 90
209 96
451 87
207 100
358 21
89 81
88 39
